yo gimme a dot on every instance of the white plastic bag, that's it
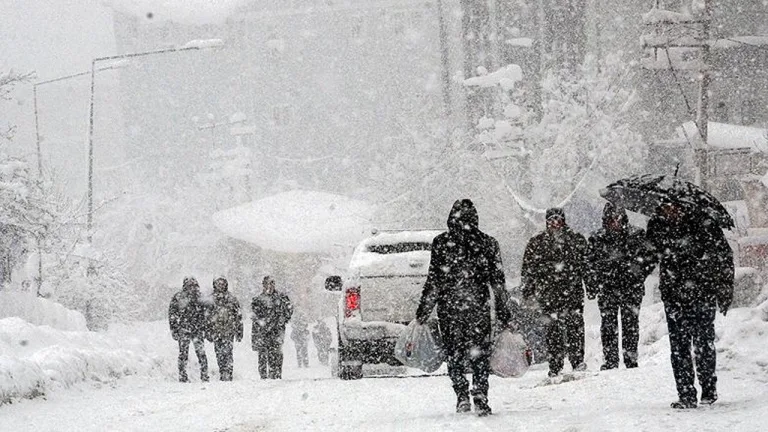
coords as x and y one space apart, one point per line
418 347
510 357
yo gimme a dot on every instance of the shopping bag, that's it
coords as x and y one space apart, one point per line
419 347
510 357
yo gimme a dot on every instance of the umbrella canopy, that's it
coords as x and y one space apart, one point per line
299 222
643 194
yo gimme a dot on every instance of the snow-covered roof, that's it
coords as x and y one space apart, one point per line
299 222
192 12
729 136
740 41
660 16
506 77
395 237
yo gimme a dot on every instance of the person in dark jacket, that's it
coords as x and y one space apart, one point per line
619 262
552 274
187 316
696 277
465 267
300 338
271 312
226 326
322 337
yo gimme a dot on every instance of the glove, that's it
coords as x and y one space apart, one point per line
421 320
724 309
591 296
512 326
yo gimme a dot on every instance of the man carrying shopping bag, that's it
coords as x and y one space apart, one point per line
464 267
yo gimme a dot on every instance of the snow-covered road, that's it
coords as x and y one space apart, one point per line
627 400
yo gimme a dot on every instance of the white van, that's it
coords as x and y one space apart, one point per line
380 295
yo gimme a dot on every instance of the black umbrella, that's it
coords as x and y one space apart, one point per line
643 194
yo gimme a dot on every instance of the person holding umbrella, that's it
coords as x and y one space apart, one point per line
696 267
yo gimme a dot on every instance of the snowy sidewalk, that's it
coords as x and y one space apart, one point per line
634 400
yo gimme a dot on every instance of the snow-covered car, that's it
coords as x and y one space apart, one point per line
379 297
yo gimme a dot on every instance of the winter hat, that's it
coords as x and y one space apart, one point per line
189 282
222 281
555 212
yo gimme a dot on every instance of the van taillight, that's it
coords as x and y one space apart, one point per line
351 301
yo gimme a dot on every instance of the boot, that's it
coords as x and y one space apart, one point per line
708 397
463 405
481 406
683 404
581 367
608 366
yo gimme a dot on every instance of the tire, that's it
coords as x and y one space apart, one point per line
348 373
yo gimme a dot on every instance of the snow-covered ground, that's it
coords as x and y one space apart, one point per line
308 399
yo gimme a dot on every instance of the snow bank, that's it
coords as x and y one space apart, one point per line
298 222
36 359
39 311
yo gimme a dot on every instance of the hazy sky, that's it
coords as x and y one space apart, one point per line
53 37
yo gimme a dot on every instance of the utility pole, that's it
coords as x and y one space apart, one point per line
445 63
702 114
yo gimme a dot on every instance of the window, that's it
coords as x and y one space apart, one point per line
386 249
282 115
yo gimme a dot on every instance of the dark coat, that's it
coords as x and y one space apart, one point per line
226 319
465 266
271 313
187 315
619 261
695 261
553 270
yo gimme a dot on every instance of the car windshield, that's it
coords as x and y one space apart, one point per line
395 248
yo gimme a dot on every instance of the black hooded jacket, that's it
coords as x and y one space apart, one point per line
619 261
553 270
465 266
695 261
187 315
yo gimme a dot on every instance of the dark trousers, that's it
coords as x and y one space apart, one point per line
224 358
271 359
302 356
609 331
468 347
692 325
184 357
565 335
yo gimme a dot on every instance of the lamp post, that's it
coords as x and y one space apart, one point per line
190 46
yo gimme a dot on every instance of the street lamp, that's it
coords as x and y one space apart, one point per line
115 65
189 46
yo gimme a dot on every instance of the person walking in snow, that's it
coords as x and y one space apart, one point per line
271 312
696 277
322 338
619 261
300 338
464 267
552 274
187 317
226 326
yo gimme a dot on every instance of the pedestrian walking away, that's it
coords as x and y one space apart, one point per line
187 317
322 337
465 266
554 265
226 326
696 277
300 338
271 312
619 261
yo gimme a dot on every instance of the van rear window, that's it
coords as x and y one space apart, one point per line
396 248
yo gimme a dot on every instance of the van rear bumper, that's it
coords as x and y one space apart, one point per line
369 342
